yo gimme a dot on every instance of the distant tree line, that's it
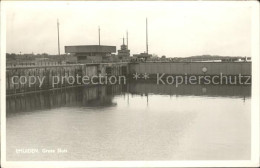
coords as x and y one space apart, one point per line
12 57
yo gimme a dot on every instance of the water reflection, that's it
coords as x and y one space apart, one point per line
139 121
187 90
102 96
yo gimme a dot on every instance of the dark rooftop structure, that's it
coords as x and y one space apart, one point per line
90 49
90 53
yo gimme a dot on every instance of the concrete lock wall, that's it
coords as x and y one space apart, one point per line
48 75
192 68
47 72
90 71
17 79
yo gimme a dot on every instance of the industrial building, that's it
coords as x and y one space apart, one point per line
91 53
124 52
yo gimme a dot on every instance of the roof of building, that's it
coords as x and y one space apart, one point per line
90 49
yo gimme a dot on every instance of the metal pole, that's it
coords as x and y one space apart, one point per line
127 39
146 36
58 25
98 35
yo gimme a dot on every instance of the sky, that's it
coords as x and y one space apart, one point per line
175 29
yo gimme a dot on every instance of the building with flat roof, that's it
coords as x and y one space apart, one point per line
91 53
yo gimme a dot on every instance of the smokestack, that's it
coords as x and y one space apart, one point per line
58 27
98 35
146 36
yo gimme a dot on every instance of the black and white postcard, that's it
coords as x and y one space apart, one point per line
129 84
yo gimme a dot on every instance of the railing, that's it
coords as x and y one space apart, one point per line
28 64
58 64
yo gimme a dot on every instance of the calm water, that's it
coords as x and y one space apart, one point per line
140 121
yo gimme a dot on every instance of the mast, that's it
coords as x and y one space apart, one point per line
58 27
127 39
146 36
98 35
